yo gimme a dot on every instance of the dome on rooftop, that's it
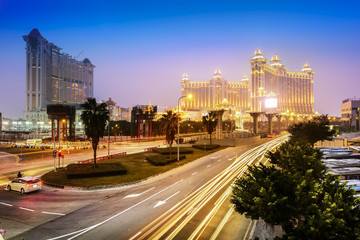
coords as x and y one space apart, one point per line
258 54
86 60
35 33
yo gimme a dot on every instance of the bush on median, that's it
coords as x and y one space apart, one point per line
89 170
205 147
161 160
173 150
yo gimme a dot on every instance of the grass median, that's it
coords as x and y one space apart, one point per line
138 168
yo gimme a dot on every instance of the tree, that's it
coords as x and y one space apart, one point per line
311 131
210 122
169 122
94 116
296 193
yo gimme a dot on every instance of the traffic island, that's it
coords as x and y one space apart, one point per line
138 169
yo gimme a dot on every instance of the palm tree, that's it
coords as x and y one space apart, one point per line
95 116
169 126
210 122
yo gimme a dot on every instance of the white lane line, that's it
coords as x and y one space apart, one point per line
135 236
231 158
138 194
27 209
6 204
219 160
208 166
194 173
85 230
54 213
215 157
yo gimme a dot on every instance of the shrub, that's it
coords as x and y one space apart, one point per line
89 170
206 147
161 160
173 150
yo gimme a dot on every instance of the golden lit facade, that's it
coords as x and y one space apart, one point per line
215 93
293 90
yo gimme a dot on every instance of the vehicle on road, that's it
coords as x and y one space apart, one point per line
25 184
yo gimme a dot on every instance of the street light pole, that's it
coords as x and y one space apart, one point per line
178 125
108 139
178 128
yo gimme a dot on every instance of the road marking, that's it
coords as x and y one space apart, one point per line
138 194
85 230
54 213
163 202
215 157
208 165
231 158
219 160
135 236
6 204
27 209
194 173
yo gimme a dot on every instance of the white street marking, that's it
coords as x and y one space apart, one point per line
27 209
231 158
208 165
215 157
85 230
138 194
219 160
163 202
54 213
6 204
194 173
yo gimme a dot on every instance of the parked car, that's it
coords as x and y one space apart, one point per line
25 184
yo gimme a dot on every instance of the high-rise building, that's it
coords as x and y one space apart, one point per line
53 77
350 109
216 93
292 90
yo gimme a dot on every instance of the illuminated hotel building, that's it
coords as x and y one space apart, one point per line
215 93
53 77
293 90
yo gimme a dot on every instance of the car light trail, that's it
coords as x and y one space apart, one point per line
174 220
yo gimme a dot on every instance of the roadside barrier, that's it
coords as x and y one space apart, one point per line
102 158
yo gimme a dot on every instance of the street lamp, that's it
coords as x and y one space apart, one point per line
178 125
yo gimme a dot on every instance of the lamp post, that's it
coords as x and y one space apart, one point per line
178 125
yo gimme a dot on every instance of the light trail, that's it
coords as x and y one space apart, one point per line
174 220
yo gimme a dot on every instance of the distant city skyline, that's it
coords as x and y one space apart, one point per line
141 49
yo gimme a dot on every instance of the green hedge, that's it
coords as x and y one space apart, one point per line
205 147
161 160
173 150
88 170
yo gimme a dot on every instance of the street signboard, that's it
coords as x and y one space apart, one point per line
54 152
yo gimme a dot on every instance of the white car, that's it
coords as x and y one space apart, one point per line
25 184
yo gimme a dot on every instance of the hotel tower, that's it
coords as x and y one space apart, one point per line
215 93
53 77
293 90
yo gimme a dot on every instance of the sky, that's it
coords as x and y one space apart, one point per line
141 49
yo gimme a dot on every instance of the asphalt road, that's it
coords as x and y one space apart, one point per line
151 209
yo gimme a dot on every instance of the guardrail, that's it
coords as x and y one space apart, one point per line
102 158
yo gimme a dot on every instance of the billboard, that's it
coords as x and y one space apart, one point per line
271 102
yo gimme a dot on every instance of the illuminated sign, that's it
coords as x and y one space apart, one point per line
271 103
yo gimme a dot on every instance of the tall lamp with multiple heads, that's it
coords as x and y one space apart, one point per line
178 124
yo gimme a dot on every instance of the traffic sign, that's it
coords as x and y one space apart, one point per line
54 155
54 152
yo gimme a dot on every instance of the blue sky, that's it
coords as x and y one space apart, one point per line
142 48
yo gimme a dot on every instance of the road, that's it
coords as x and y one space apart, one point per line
41 166
191 201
